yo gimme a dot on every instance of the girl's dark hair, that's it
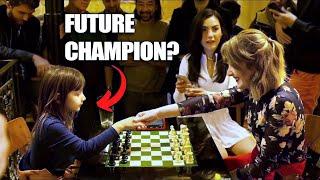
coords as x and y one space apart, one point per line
55 86
196 49
188 5
157 13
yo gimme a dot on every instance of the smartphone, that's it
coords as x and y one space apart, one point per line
275 6
181 77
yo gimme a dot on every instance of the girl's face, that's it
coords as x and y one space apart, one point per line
75 100
211 34
242 76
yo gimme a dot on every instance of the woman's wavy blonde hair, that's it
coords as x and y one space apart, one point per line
263 56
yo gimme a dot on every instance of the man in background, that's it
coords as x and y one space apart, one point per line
145 79
20 30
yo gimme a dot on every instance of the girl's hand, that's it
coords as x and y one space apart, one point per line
128 124
191 92
147 117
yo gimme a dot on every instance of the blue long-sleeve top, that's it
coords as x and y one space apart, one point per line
56 147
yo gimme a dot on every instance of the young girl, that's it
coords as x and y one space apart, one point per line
54 146
205 69
274 109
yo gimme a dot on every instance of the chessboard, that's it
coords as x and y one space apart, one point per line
152 149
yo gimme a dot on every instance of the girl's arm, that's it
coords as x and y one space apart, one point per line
60 138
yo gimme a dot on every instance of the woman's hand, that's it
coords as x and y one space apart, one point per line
192 92
147 117
128 124
182 84
282 37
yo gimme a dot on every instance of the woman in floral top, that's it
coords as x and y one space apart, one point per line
274 109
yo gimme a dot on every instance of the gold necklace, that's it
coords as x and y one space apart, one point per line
211 66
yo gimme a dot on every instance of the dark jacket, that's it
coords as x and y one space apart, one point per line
19 41
25 37
306 37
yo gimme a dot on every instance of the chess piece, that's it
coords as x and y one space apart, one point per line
128 135
177 155
187 149
172 131
112 160
189 158
124 159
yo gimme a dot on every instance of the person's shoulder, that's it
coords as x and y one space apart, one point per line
3 13
3 8
33 21
51 120
177 11
162 23
287 98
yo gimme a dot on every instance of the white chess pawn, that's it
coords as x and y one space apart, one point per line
172 131
189 158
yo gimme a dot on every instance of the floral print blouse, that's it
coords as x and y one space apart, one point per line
276 120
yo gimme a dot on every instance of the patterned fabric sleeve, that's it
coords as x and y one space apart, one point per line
208 103
283 133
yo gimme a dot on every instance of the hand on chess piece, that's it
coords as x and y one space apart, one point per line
127 124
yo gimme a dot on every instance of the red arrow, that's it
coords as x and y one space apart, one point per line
106 102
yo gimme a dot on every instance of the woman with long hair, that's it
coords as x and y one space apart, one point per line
274 109
203 72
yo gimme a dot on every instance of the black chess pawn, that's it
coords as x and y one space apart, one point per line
128 136
124 159
125 147
112 160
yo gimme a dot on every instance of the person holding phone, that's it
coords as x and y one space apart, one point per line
203 72
264 20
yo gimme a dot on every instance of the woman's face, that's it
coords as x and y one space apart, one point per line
75 100
211 34
243 76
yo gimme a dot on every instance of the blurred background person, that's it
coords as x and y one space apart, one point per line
4 145
233 9
145 78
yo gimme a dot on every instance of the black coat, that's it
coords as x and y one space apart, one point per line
305 46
